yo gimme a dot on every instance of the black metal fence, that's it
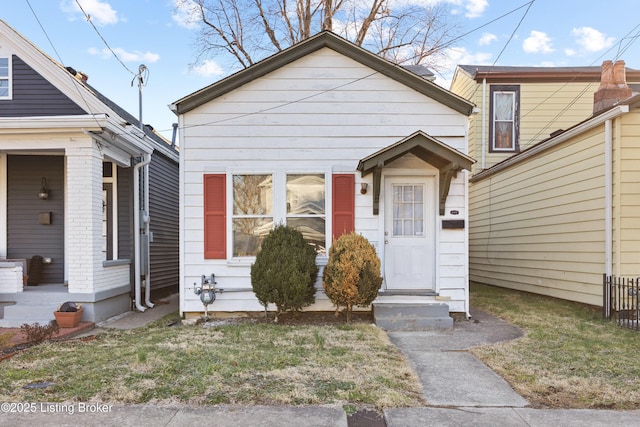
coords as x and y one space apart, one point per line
620 300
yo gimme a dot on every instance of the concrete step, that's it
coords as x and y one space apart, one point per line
19 314
412 316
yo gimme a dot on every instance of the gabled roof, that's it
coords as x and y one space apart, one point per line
321 40
80 92
427 148
508 74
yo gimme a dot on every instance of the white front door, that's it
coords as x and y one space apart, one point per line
409 245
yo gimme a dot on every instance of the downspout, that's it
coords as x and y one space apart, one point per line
608 198
146 158
484 120
147 230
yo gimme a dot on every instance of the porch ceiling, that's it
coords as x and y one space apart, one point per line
447 160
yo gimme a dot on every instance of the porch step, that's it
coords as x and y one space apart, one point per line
412 316
19 314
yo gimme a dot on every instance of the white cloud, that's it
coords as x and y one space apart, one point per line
100 12
487 39
208 68
185 13
570 52
475 8
591 39
126 56
537 42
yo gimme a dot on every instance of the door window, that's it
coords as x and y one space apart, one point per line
408 210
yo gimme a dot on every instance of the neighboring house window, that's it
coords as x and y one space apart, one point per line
252 216
261 200
504 111
5 78
109 211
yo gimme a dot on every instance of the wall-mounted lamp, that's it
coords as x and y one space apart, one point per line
44 191
363 188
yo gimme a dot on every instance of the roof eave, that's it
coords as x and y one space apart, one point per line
319 41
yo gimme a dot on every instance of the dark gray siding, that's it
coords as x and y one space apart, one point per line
33 95
125 213
25 236
163 211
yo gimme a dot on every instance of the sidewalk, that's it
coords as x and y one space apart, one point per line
458 390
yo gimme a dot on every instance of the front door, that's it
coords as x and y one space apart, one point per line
409 250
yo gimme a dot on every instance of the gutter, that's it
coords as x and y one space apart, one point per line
552 142
484 121
608 198
147 230
146 159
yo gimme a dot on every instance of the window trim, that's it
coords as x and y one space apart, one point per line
516 118
279 211
232 216
110 185
8 78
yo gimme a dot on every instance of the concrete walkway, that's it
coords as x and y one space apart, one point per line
458 389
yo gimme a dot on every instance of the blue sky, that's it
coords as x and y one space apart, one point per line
150 32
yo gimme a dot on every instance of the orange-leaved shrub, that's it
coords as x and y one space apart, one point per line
352 275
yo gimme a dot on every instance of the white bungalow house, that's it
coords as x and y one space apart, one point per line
326 137
78 178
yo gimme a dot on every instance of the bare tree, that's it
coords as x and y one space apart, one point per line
403 31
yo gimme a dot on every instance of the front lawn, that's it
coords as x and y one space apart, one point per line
237 363
568 358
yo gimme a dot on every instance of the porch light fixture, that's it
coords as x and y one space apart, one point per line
363 188
44 191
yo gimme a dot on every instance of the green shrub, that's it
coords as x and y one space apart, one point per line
352 275
285 271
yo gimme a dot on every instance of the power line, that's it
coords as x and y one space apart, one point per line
76 82
88 17
443 46
513 33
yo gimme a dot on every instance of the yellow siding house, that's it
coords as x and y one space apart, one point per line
560 205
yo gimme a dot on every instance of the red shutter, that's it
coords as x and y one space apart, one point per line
215 216
343 204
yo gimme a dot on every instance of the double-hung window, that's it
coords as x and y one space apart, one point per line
5 78
306 210
258 201
504 118
252 216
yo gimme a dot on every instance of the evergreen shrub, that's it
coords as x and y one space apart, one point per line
285 271
352 275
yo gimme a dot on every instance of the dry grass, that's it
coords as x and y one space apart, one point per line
568 358
236 364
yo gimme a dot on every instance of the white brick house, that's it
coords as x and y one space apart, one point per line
73 191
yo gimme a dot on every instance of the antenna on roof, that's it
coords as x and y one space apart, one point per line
141 82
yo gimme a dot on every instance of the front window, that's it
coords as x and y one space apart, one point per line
5 76
504 112
262 200
252 217
306 208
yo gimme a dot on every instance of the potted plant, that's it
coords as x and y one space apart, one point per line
68 315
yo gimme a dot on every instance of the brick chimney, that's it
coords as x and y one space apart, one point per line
613 86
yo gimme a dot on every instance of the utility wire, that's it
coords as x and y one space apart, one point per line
88 17
76 82
443 46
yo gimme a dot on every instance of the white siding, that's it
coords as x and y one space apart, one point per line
321 113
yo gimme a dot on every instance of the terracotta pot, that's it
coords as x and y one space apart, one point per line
68 319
